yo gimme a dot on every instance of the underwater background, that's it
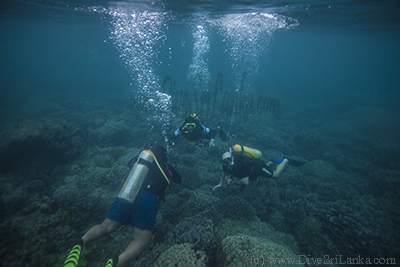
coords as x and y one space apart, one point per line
85 85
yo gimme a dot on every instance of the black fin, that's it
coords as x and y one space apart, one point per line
223 135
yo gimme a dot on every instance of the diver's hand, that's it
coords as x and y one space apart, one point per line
228 180
211 144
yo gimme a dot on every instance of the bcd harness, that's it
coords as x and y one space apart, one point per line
159 167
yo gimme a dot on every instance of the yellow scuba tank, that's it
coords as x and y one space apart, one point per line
135 179
246 151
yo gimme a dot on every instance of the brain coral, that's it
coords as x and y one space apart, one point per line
182 255
242 250
202 199
236 208
195 230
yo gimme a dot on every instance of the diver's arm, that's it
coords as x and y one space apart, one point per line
220 183
176 134
209 135
206 132
243 181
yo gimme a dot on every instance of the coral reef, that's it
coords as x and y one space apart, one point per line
255 228
116 176
48 139
236 208
195 230
309 235
243 250
320 169
173 209
342 226
76 195
112 133
202 199
310 141
263 196
56 183
182 255
348 225
35 234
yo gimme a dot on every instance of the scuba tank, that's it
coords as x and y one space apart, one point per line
246 151
135 179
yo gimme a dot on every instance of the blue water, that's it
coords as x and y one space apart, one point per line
345 53
334 66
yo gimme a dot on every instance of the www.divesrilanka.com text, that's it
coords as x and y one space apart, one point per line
307 259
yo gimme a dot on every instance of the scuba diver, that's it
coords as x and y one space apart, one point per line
242 164
194 132
135 205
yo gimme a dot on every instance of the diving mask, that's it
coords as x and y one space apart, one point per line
227 164
190 126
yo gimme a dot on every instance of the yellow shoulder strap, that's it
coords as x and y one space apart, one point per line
155 159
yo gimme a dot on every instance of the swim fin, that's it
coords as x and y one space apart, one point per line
112 261
73 256
292 162
222 134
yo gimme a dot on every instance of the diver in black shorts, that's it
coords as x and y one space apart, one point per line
242 164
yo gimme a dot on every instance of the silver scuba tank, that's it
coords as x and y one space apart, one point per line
135 179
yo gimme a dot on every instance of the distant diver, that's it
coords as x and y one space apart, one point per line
194 132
